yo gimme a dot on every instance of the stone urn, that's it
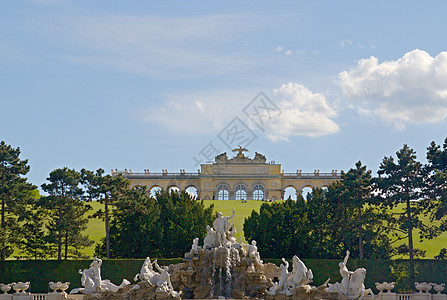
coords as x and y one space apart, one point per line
24 286
428 287
64 286
17 287
54 286
422 287
380 287
439 287
5 287
389 286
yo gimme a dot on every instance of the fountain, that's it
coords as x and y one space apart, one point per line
222 268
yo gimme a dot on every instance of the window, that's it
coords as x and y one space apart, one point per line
222 192
241 192
258 192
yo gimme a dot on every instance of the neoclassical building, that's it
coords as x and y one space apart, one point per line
236 178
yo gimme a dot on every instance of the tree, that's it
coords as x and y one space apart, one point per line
402 183
66 211
280 228
107 190
134 227
436 170
164 226
182 218
33 242
13 195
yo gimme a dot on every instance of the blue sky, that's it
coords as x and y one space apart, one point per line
150 84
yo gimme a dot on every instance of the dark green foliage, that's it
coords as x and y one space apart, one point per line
33 238
134 227
436 178
65 212
279 229
107 190
41 272
325 225
14 194
403 182
164 226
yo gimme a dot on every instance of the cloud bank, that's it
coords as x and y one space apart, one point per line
303 113
411 89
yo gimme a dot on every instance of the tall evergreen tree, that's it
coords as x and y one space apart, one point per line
107 190
14 192
402 183
66 210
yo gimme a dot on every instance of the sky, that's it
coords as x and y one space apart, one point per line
170 84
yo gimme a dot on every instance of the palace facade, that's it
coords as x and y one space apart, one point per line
236 178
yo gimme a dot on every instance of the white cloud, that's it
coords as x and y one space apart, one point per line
411 89
288 52
278 49
303 113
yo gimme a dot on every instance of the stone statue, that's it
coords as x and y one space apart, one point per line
259 158
240 152
253 254
221 226
221 158
195 247
301 275
147 273
164 282
208 241
279 286
352 283
92 282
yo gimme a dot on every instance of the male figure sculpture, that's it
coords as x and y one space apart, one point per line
221 226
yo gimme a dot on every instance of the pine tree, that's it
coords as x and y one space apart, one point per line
107 190
66 211
14 193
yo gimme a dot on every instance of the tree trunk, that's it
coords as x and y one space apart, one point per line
106 221
66 245
3 254
410 244
360 234
59 235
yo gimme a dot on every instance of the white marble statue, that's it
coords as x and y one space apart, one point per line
92 282
279 286
352 283
147 273
164 282
208 241
252 253
195 247
300 275
221 226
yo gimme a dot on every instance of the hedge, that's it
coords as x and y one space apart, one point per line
41 272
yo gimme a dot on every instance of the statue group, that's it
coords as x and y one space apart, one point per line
223 267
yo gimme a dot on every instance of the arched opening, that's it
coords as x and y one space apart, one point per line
173 188
154 190
290 192
258 192
223 192
192 190
240 192
306 191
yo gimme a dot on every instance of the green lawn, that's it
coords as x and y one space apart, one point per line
96 227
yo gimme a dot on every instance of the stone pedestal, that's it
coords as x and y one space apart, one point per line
422 296
439 297
5 296
387 296
369 297
21 296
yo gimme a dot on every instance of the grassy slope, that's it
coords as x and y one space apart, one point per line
243 210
